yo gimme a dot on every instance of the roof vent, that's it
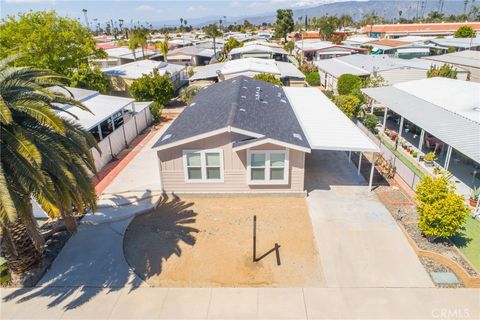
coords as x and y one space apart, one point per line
265 101
167 136
242 110
476 109
192 104
282 100
244 87
298 136
243 97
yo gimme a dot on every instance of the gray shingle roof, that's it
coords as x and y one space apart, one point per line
242 103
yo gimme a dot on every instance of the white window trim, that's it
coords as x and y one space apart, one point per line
267 180
203 166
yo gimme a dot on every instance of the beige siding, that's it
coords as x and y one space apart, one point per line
235 168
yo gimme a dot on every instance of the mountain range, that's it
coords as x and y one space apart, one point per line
356 9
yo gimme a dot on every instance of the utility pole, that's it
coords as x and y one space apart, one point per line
86 18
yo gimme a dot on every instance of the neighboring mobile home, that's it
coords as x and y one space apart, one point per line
248 136
392 70
284 71
123 76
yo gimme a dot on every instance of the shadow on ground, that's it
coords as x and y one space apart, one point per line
91 262
152 238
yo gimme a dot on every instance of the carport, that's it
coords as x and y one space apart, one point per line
327 128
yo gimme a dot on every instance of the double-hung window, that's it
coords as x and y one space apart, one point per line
267 167
203 165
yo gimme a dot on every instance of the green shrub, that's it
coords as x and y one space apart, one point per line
307 68
349 84
153 87
268 77
313 78
465 32
188 93
86 77
441 212
156 110
446 71
349 104
370 121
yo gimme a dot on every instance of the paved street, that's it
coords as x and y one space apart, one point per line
359 242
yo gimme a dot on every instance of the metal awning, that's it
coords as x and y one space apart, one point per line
325 126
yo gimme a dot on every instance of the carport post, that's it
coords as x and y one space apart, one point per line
447 157
349 156
385 118
371 173
359 163
420 143
401 127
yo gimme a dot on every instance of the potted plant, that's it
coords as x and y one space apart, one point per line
429 158
474 197
407 148
387 132
414 154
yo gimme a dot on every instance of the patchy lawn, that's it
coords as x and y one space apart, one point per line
203 242
468 241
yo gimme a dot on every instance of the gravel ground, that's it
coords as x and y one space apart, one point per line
204 242
403 209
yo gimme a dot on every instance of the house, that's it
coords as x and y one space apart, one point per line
121 55
392 31
123 76
392 70
248 136
285 71
192 56
314 50
437 115
259 51
458 44
467 60
358 41
401 49
113 121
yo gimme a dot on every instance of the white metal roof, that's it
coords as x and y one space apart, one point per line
257 48
137 69
248 65
101 107
446 108
126 53
325 126
468 58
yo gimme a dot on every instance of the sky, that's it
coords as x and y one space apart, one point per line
150 11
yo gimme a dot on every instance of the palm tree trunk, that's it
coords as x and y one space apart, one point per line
19 250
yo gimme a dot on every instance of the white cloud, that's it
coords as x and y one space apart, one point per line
147 8
199 8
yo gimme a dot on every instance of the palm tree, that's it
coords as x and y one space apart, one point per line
212 31
163 47
44 156
133 45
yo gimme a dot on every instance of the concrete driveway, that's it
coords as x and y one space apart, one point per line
359 242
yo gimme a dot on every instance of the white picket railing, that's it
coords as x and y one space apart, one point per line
121 137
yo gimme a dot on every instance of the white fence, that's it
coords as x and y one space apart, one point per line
407 174
121 137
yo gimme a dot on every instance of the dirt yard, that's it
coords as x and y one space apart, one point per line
204 242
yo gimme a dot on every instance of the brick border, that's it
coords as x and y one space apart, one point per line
468 281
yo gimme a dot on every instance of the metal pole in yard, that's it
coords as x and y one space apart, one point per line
146 120
254 238
385 118
110 144
349 156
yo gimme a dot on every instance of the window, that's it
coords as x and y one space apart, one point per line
203 166
267 167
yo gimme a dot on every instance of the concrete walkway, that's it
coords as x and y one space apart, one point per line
94 256
241 303
359 243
